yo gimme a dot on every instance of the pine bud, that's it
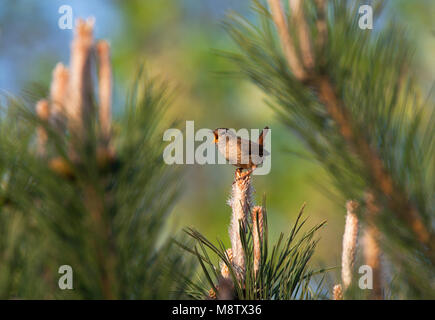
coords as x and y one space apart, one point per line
337 292
257 235
225 272
371 249
79 107
58 94
105 89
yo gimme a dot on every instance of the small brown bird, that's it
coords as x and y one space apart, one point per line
242 153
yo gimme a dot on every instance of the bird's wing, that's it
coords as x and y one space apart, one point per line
251 148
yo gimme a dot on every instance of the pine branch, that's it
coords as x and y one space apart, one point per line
283 273
397 200
382 181
357 109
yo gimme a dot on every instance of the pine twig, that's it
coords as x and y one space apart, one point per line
79 106
381 180
349 243
337 292
371 249
257 235
79 112
304 38
58 94
225 272
102 242
383 183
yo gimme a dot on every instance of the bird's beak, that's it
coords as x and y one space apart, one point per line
216 136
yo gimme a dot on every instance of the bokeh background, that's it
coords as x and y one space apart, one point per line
178 40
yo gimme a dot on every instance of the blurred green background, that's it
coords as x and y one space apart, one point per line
178 39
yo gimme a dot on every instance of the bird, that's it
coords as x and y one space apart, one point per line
242 153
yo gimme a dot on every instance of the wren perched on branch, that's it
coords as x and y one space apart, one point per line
242 153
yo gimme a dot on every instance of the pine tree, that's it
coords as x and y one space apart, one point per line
80 189
352 96
83 189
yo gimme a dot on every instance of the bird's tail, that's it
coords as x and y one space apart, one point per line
262 135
